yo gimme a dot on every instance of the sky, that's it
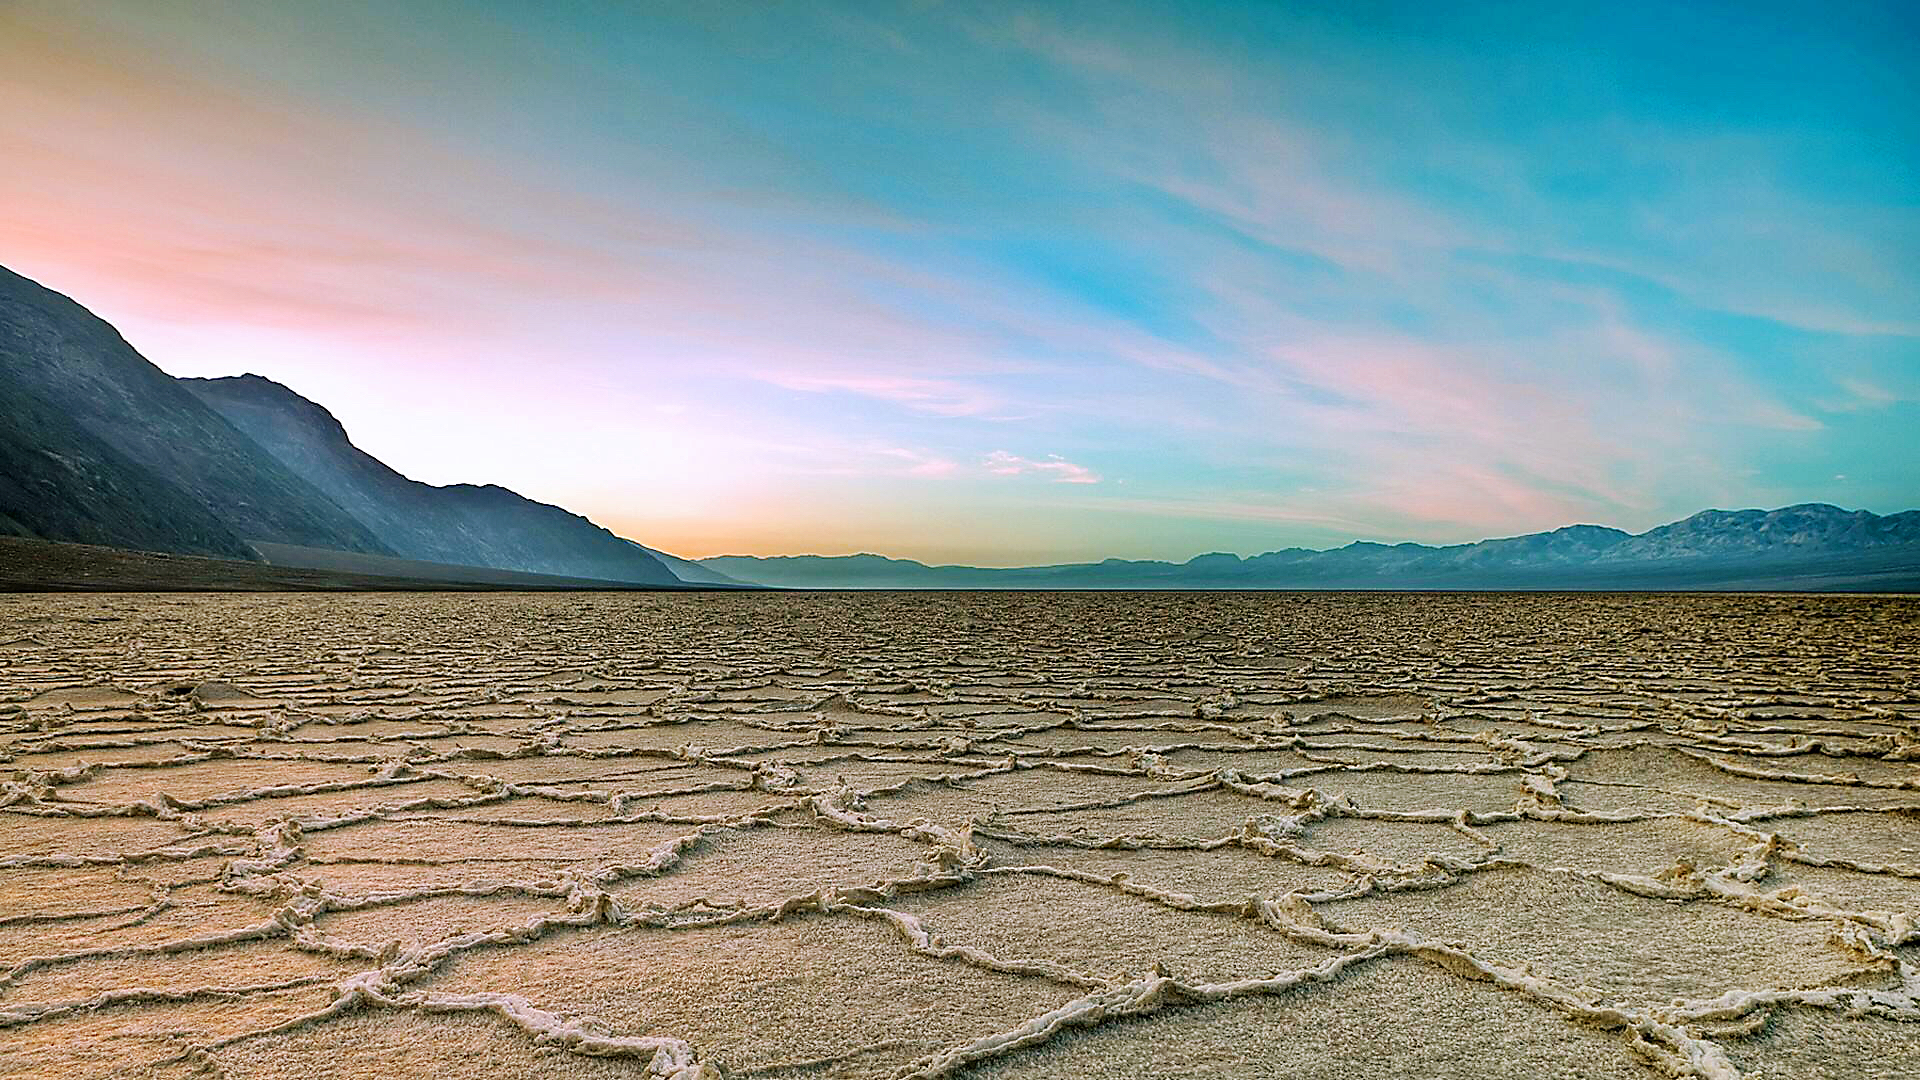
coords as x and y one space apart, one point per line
1005 284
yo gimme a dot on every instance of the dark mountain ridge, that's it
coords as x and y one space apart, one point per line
98 446
466 524
102 447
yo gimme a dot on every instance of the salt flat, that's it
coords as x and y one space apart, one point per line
1027 835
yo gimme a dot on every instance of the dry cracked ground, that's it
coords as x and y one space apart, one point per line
888 835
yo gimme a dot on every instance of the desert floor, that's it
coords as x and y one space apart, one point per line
1071 835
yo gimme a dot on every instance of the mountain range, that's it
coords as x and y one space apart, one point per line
100 447
1812 545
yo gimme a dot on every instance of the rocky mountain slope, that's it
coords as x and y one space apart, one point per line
465 524
101 447
98 446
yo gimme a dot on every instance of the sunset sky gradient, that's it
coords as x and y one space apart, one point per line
993 284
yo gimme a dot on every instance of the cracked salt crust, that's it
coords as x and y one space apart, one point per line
929 835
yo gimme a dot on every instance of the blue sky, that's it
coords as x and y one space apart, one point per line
1007 284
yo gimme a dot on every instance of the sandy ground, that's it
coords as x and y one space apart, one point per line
1279 835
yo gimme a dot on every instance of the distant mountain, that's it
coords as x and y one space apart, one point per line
462 524
1812 529
1810 546
688 570
871 572
101 447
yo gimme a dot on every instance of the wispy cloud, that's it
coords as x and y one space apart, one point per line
1053 467
919 462
941 397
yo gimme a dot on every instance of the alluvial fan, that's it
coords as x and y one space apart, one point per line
891 835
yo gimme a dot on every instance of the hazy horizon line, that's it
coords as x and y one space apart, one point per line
1255 554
